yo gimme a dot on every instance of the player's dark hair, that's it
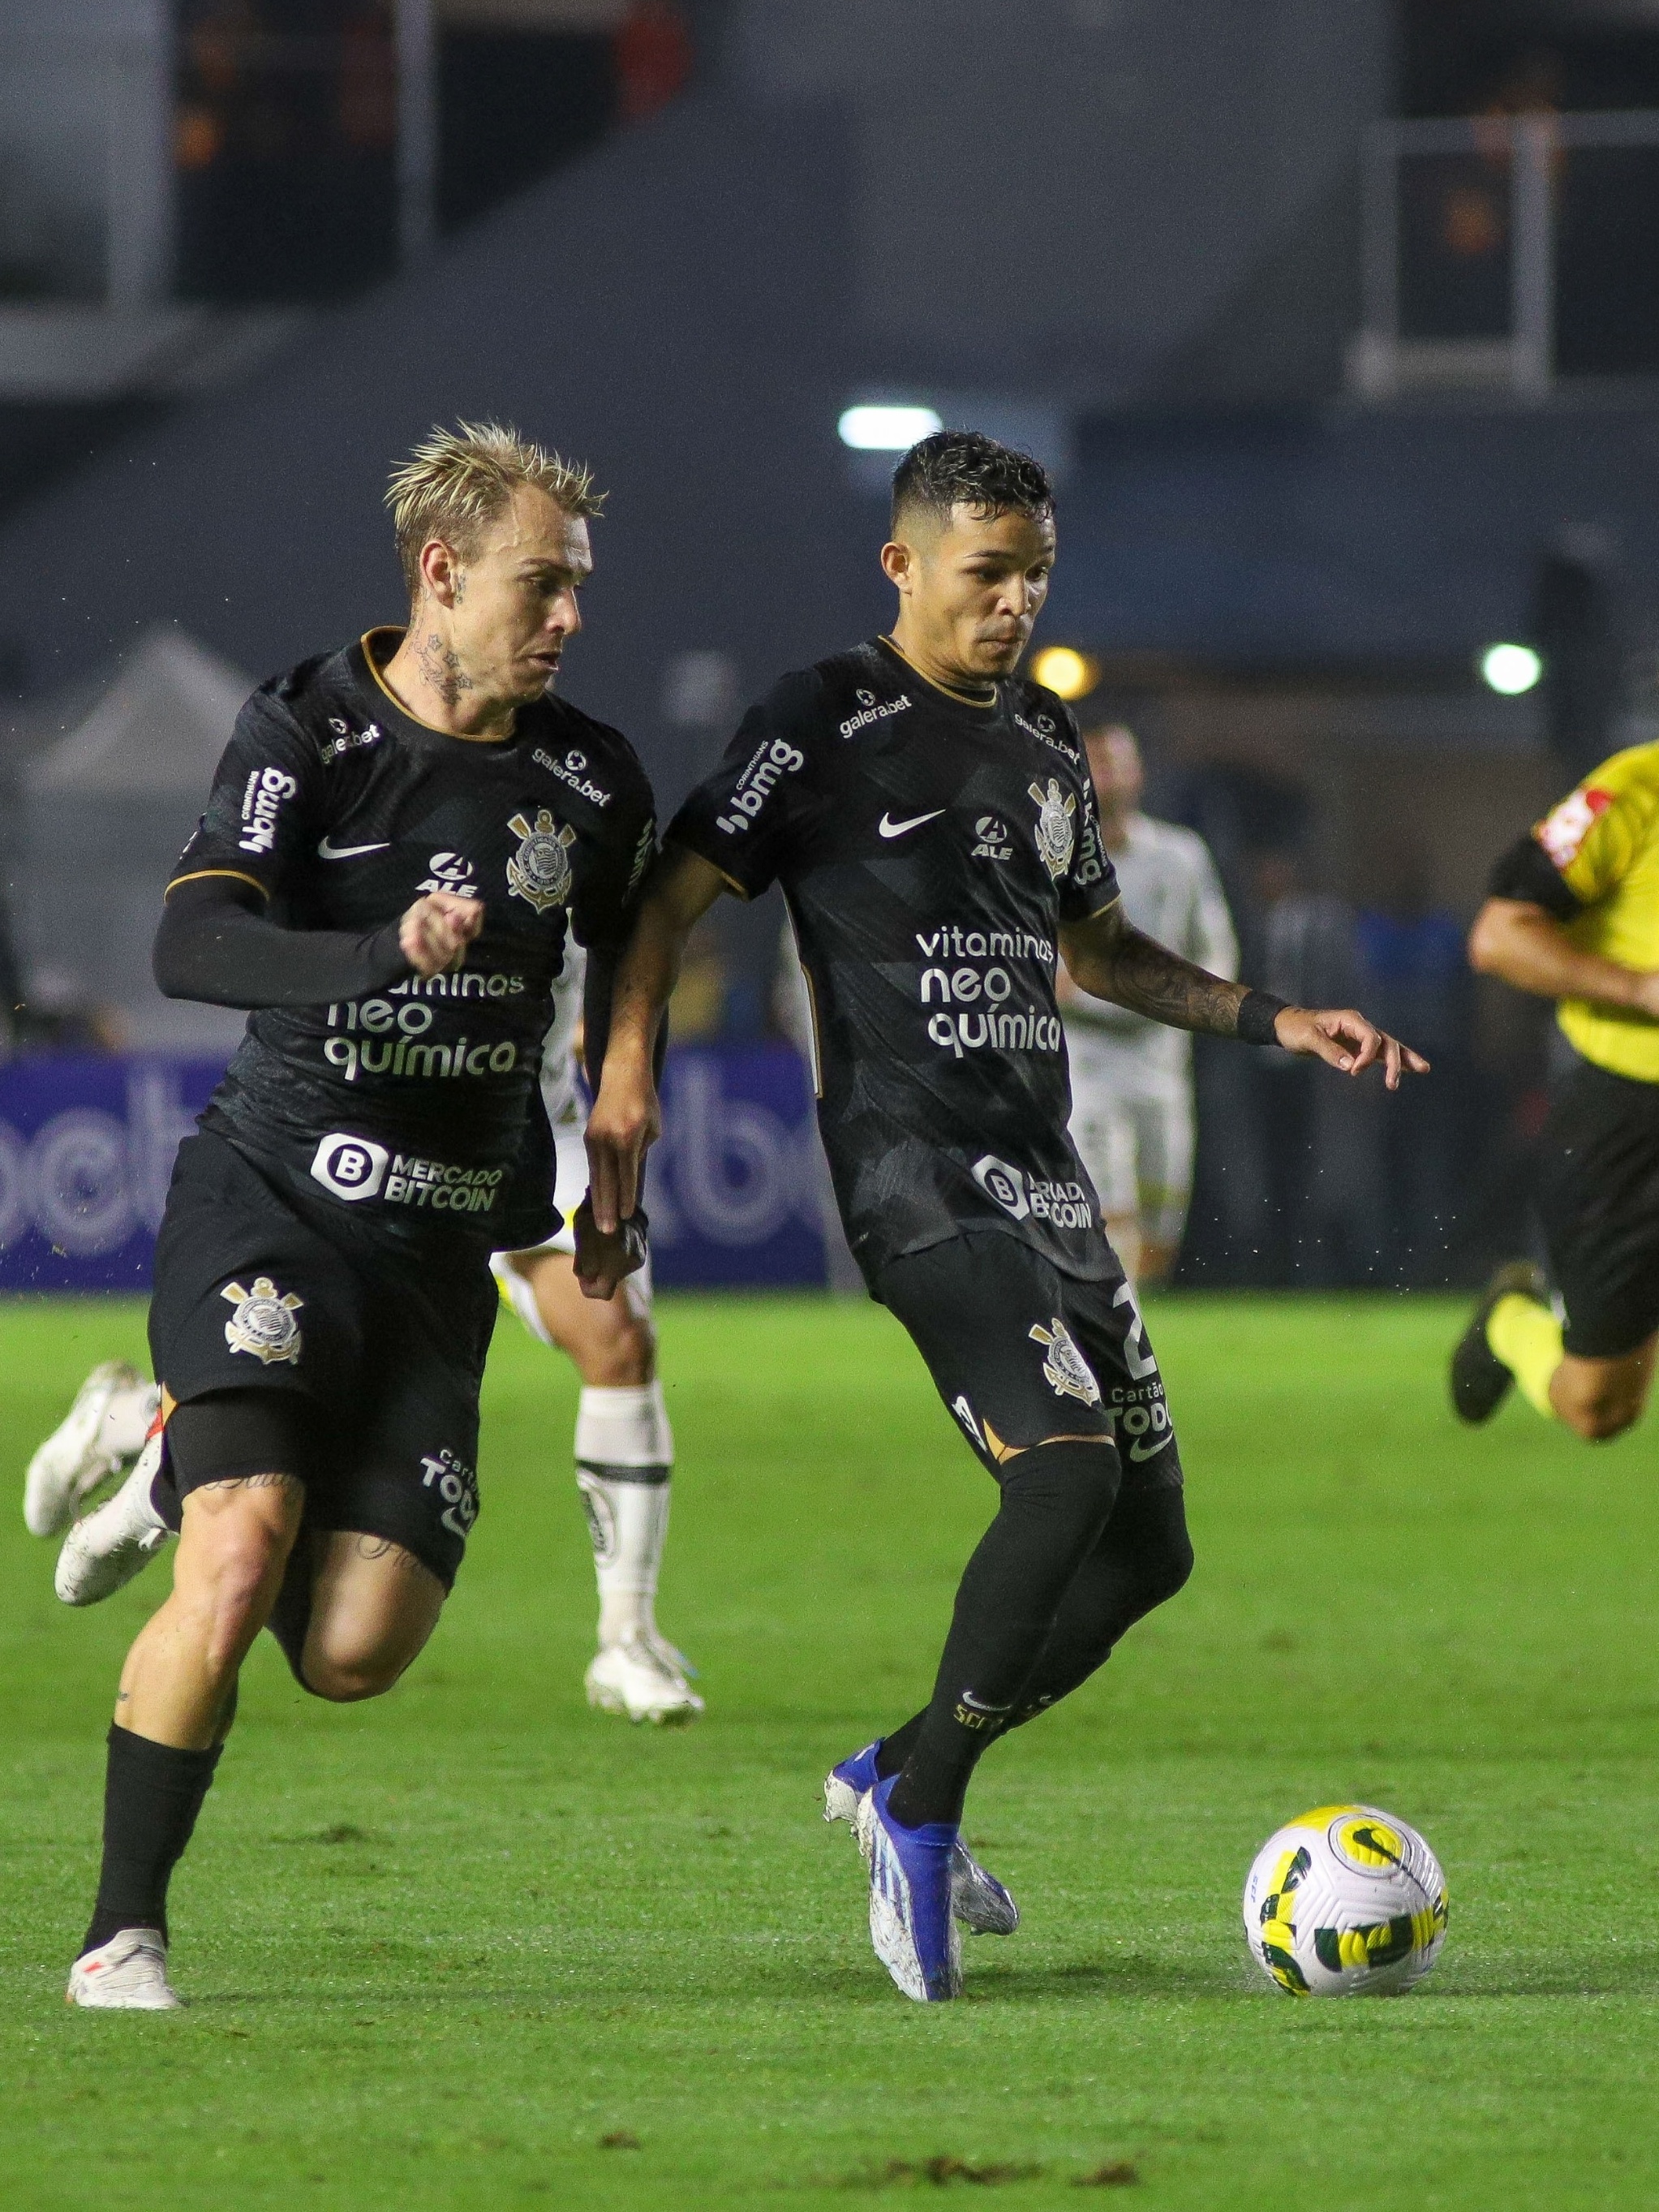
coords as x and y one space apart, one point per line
964 468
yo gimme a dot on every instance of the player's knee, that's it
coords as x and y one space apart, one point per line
1598 1419
1167 1568
624 1358
347 1678
231 1585
1071 1478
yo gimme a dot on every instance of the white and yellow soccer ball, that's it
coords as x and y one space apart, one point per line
1347 1901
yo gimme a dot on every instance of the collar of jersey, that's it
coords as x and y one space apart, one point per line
366 647
956 698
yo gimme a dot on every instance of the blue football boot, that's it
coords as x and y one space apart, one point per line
912 1927
977 1899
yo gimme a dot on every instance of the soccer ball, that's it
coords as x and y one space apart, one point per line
1345 1902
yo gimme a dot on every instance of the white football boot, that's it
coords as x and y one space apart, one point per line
115 1541
640 1676
127 1974
979 1901
104 1426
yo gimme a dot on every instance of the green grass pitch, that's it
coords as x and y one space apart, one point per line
442 1946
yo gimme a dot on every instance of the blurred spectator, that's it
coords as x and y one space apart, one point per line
1131 1078
1414 980
1320 1138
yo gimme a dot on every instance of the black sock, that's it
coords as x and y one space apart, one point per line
897 1748
152 1795
1056 1499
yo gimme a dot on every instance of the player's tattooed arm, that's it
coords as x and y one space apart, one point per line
1107 955
626 1120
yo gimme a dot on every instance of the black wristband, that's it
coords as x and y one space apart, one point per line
1257 1012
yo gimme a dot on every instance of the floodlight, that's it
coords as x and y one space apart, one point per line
886 429
1511 669
1063 669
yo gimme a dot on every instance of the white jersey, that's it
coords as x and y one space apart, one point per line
1172 893
559 1093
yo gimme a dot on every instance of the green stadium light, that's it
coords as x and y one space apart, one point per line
869 430
1510 670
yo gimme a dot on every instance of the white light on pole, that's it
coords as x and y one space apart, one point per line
869 430
1509 669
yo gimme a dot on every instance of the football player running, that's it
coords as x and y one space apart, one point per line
396 849
624 1446
929 816
1573 915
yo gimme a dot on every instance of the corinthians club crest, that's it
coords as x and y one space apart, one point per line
1056 834
1066 1371
263 1322
540 870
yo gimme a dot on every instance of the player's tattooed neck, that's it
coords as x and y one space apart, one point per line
442 670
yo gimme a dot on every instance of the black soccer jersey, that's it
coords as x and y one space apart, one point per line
413 1105
929 849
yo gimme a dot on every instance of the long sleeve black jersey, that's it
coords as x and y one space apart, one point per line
416 1104
929 849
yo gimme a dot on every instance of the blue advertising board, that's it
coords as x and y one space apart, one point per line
736 1191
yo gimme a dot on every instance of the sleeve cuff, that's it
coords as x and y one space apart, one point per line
1258 1011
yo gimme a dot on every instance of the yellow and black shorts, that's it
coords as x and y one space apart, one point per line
1598 1194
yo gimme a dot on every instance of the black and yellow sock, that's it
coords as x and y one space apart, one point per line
1527 1337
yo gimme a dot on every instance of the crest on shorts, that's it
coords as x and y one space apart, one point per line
263 1322
1056 832
1066 1371
540 870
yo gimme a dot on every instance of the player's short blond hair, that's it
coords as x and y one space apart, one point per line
455 483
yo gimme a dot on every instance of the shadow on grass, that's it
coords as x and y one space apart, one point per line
1135 1976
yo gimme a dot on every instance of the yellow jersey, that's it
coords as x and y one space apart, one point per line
1603 840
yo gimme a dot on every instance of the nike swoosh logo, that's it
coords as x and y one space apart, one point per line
1145 1449
888 828
327 852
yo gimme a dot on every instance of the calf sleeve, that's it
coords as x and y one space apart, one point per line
1056 1500
1143 1557
152 1795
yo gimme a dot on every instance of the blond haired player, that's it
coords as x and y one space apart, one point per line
1573 915
398 847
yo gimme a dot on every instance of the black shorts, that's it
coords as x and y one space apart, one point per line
1022 1353
1598 1192
383 1350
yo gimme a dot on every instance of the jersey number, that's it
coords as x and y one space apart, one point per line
1138 1360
